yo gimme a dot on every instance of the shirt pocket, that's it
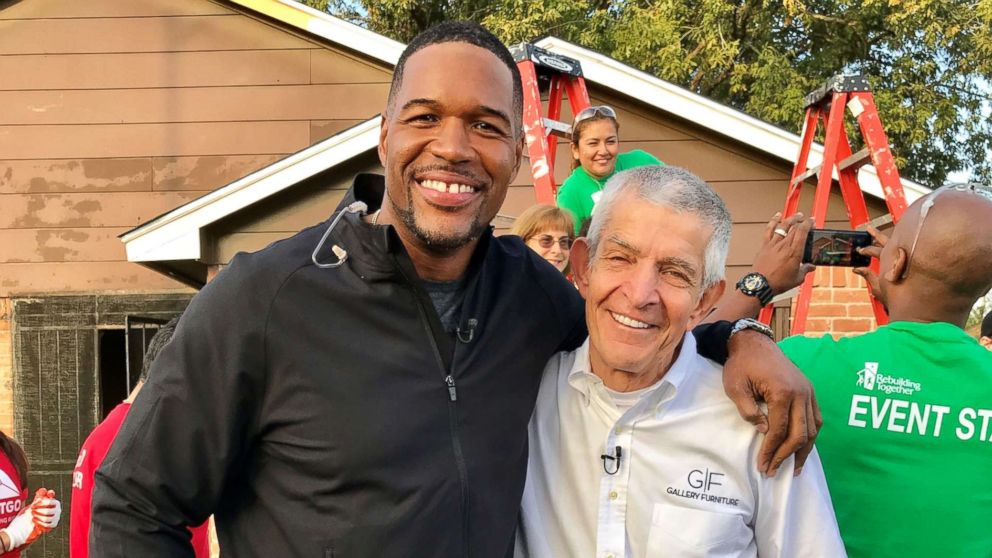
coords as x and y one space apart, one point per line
693 533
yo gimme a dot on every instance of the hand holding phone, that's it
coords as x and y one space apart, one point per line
873 251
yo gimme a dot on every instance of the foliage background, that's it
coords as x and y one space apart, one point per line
930 61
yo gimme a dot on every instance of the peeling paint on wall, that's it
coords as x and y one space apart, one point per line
117 169
46 210
205 173
114 175
57 246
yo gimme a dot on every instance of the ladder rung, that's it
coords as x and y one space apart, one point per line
856 161
813 171
557 128
787 295
877 222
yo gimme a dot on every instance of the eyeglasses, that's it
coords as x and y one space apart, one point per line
972 187
589 112
547 241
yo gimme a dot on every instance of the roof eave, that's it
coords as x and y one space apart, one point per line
328 27
177 235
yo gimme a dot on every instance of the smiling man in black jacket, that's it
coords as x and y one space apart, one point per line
378 407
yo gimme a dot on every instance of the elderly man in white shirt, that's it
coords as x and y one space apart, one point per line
635 450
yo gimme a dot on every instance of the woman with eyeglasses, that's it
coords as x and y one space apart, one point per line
548 231
595 158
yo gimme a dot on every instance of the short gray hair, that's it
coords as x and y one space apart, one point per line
679 190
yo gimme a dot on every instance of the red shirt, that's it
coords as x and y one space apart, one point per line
91 455
12 496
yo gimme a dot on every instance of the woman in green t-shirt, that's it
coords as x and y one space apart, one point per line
595 143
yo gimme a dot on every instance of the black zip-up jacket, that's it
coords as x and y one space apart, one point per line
317 413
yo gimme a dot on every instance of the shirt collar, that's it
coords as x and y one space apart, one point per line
582 378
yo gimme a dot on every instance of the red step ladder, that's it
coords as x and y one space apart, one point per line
828 103
544 70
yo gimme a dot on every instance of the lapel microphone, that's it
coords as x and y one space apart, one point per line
467 335
607 459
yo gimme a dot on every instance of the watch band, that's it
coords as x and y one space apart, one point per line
752 324
765 295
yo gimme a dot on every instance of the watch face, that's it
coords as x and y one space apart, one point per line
753 282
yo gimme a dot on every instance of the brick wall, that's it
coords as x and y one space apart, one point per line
6 369
840 304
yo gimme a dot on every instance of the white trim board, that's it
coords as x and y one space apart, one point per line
176 235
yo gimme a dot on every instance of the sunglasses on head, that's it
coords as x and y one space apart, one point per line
547 241
589 112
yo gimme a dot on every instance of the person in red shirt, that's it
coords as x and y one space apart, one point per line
20 525
95 448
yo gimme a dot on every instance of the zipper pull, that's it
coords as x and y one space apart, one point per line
452 394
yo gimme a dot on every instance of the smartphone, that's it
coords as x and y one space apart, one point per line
836 248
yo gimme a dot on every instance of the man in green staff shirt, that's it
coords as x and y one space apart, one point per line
906 443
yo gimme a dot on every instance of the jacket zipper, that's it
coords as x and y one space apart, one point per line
452 393
449 382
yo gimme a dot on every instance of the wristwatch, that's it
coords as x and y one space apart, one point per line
750 323
756 285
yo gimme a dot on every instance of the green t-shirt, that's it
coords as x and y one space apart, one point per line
906 442
579 192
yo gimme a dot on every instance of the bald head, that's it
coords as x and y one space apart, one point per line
951 263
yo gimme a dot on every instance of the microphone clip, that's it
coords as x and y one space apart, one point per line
469 333
340 253
608 459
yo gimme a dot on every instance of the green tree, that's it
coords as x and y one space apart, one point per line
321 5
930 61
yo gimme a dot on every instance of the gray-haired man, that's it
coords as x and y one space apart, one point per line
634 448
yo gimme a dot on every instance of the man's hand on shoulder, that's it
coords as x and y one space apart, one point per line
756 371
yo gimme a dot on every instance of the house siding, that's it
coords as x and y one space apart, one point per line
112 113
115 112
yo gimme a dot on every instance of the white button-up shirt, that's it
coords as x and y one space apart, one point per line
687 483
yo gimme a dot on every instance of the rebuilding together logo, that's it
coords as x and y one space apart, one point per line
870 379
